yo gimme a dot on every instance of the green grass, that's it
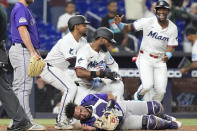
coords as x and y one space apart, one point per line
185 122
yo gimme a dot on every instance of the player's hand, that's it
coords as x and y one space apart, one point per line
35 54
87 128
182 70
118 19
112 75
165 58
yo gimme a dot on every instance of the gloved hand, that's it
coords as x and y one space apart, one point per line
97 83
110 75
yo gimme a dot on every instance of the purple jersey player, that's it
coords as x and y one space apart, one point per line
135 114
25 41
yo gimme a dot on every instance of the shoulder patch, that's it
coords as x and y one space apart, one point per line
22 20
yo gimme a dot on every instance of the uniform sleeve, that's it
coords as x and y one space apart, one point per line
140 24
173 39
111 63
194 52
21 17
82 59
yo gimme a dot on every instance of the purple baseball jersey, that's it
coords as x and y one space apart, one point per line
91 102
21 16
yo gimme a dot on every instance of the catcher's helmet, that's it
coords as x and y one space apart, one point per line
162 4
76 20
105 33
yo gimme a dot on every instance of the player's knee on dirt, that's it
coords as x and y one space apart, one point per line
151 122
155 108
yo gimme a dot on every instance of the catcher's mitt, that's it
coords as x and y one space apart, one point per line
108 121
35 66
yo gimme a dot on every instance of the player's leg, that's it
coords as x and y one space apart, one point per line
66 85
114 87
151 122
146 75
160 81
22 83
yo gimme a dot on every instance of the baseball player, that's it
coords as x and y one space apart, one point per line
90 67
131 114
25 39
159 40
191 33
62 55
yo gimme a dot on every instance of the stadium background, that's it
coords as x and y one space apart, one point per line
181 96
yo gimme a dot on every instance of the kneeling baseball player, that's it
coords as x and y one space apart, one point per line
90 67
102 111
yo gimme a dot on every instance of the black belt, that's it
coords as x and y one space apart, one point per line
3 64
22 44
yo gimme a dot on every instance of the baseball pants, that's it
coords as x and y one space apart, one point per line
22 83
62 81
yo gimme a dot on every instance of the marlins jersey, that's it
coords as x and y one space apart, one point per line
65 49
89 59
194 51
97 103
155 39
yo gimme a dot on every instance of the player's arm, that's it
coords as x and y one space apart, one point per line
24 34
168 53
191 67
123 26
83 73
88 128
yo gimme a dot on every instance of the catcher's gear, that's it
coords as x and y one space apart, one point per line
108 121
105 33
76 20
35 66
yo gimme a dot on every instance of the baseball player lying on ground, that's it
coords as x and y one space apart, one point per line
90 67
158 43
102 111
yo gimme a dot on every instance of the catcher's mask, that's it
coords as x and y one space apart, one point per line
161 4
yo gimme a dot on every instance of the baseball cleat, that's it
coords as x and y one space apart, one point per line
63 126
169 118
175 125
36 127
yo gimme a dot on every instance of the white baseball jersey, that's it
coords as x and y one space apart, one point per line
63 21
65 49
156 37
194 51
89 59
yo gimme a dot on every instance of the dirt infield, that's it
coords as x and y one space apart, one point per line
51 128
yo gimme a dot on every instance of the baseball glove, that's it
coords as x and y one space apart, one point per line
35 66
108 121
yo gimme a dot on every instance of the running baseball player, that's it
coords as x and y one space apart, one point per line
129 114
90 67
159 40
191 33
62 55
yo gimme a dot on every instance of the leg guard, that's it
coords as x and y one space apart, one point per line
151 122
155 108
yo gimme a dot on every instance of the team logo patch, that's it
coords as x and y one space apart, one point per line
32 21
80 59
22 20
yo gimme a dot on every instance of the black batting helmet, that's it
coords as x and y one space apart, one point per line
162 4
105 33
76 20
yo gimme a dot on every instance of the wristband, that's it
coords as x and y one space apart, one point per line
121 26
169 54
93 74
